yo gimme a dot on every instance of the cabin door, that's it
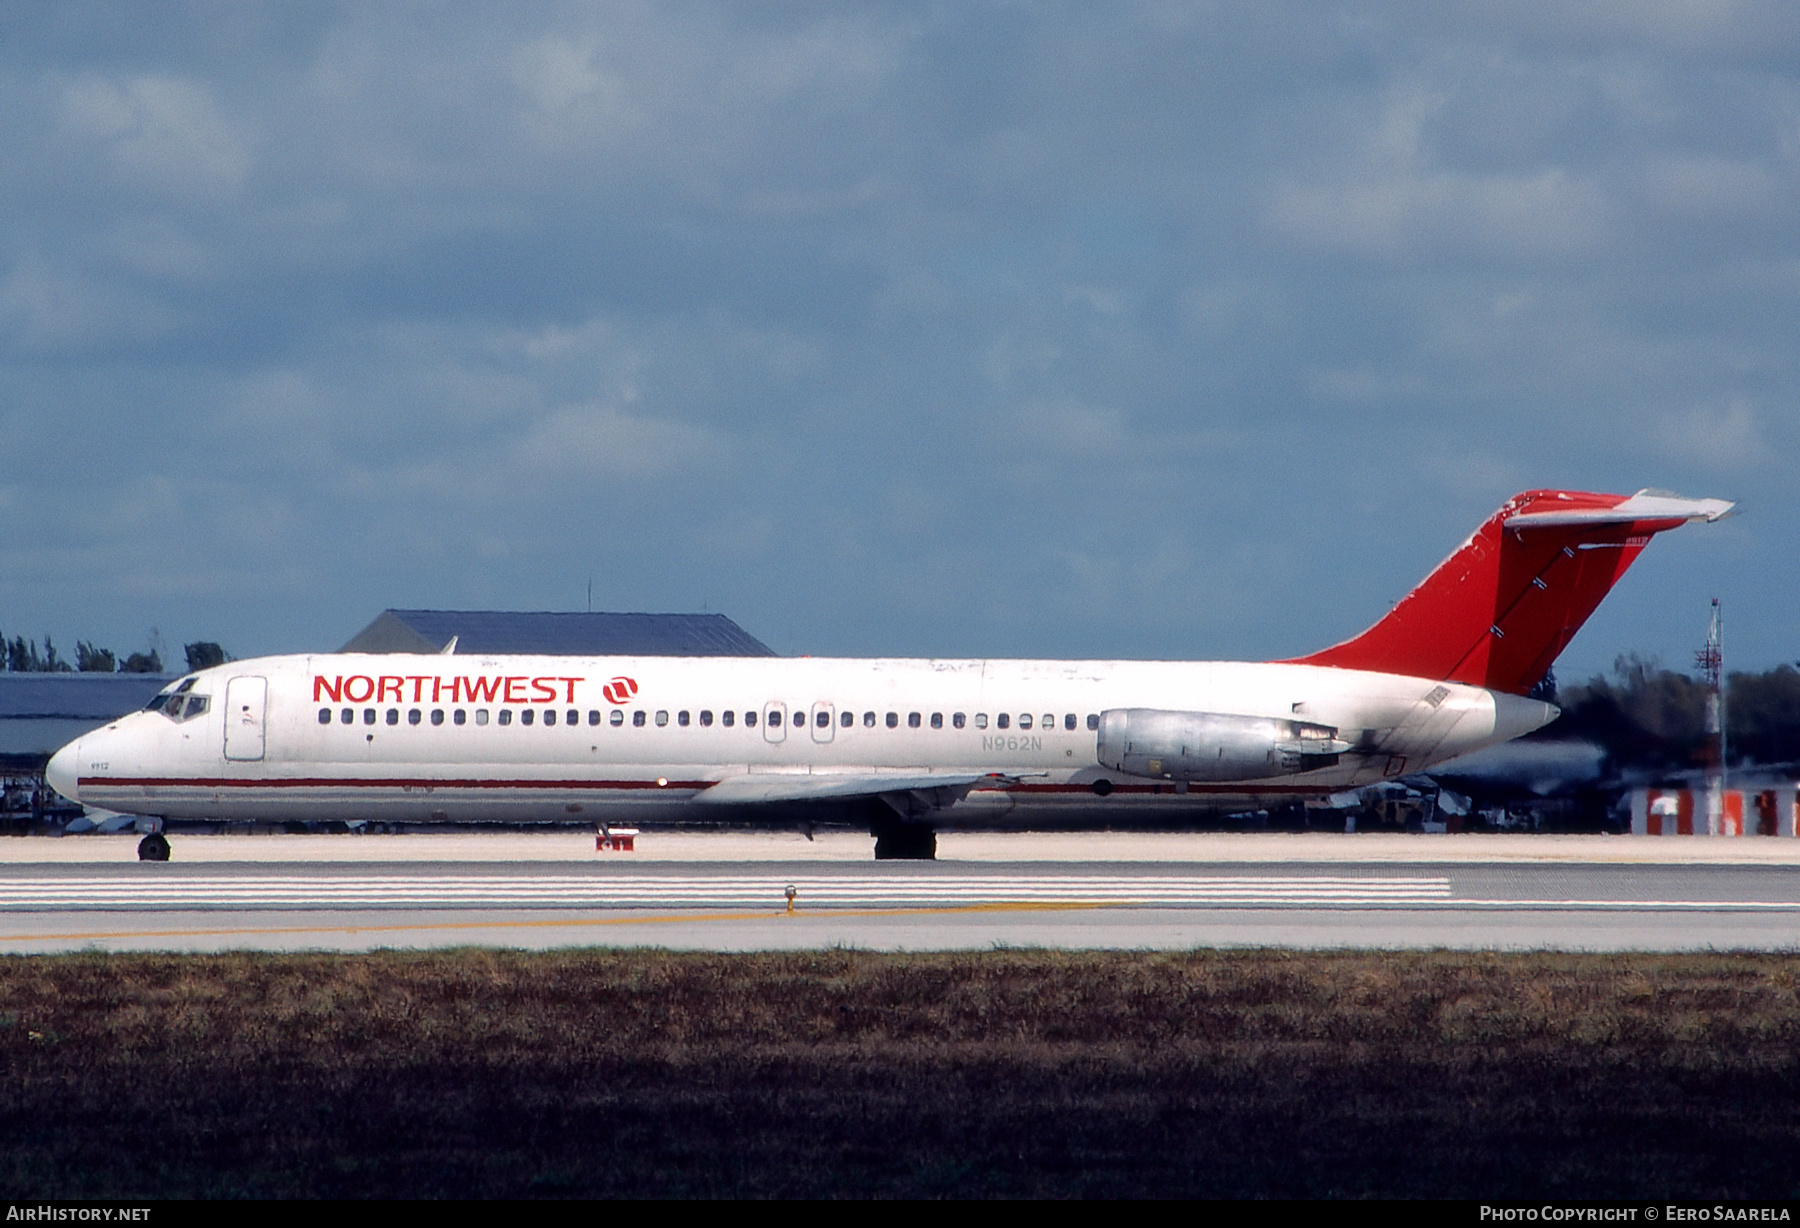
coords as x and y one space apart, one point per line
245 699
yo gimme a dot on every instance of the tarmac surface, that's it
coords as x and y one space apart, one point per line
729 891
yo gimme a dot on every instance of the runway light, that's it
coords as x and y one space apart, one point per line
791 893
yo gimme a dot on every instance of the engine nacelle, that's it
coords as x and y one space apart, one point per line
1212 746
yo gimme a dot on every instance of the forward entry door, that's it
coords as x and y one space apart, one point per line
245 699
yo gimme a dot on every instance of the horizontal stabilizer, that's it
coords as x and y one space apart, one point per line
759 787
1643 506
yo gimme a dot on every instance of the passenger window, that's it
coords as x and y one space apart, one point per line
749 719
1024 720
662 717
414 716
912 720
549 716
593 716
617 718
571 717
706 718
847 719
368 716
822 719
868 720
459 717
348 716
393 716
437 716
526 716
893 720
1069 720
981 720
637 719
324 716
681 718
1049 721
937 720
1002 721
506 716
481 716
728 718
799 719
1093 721
958 720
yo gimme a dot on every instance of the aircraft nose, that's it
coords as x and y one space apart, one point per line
62 770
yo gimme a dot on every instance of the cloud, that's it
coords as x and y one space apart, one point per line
604 442
1001 328
1725 437
1547 214
47 309
161 131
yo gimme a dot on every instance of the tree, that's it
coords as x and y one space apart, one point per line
54 664
202 654
92 660
1650 717
1762 715
142 663
22 655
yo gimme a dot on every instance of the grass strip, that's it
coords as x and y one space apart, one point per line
479 1073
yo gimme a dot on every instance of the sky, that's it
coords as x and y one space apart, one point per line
1147 330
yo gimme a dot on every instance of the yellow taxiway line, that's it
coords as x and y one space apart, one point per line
572 922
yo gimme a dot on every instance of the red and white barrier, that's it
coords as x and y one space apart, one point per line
1712 812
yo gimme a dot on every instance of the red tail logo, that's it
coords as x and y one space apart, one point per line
620 690
1497 612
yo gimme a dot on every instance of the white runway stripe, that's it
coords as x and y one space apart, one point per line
569 891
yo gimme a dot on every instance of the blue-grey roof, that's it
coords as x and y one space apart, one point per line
558 634
40 713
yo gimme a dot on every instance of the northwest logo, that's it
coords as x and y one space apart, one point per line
619 690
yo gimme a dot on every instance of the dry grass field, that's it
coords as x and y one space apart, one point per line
1009 1073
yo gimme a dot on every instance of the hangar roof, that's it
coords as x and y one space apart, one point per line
558 634
41 712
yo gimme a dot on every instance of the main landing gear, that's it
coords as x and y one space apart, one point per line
153 847
902 841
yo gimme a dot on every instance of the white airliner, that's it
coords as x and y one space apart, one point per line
903 745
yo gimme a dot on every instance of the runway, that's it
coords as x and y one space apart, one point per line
1575 900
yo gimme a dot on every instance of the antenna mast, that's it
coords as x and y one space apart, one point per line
1711 660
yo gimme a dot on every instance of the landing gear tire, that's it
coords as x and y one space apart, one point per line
906 842
153 847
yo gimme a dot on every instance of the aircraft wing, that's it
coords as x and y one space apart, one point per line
804 787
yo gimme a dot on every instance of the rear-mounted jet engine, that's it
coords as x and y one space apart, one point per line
1211 746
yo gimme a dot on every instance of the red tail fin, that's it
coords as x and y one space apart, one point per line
1497 612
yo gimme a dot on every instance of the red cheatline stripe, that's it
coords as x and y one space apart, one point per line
1243 789
416 782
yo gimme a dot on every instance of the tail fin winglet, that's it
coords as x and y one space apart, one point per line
1499 610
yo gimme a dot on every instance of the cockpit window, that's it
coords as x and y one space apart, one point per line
178 705
162 697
